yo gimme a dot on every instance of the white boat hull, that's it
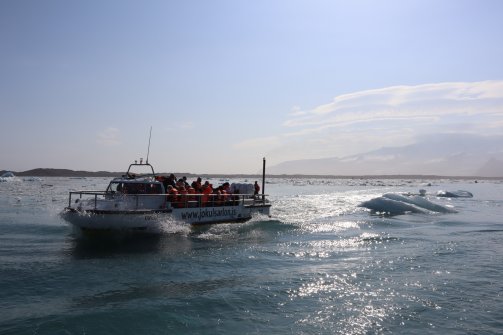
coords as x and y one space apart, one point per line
156 220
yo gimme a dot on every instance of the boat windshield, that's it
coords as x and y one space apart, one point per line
134 188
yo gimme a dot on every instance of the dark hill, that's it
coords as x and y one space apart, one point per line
64 173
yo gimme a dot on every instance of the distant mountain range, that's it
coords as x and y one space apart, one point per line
441 155
435 156
63 173
47 172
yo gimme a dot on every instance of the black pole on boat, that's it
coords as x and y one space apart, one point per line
263 180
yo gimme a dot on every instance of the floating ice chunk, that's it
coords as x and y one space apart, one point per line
455 194
8 176
395 204
389 206
431 206
419 201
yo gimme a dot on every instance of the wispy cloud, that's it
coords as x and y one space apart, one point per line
407 102
366 120
109 137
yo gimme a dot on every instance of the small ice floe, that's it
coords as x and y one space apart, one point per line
455 194
382 205
32 179
8 177
396 204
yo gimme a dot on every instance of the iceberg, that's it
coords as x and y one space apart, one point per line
396 204
8 176
383 205
420 202
455 194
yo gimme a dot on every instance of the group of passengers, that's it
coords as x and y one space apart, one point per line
182 194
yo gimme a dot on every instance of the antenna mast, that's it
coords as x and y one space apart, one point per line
148 150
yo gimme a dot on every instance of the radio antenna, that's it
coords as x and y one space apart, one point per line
148 150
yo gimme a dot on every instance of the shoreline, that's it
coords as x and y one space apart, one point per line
46 172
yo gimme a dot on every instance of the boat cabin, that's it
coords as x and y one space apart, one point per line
133 183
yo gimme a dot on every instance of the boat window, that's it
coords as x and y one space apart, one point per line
115 187
154 189
135 188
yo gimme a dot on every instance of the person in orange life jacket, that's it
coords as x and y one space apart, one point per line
207 190
221 196
226 196
172 194
182 198
196 184
191 193
257 188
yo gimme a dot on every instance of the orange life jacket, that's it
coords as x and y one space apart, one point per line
182 199
173 196
207 190
191 192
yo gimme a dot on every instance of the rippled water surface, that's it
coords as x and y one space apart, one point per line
319 265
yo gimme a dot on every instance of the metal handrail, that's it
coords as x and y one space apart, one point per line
182 201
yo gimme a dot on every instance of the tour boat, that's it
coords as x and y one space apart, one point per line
141 202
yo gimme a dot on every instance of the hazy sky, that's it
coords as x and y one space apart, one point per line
224 83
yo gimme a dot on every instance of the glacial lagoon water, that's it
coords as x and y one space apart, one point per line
319 265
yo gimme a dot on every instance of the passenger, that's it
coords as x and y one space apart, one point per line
172 195
180 184
225 197
182 198
207 191
171 180
257 188
185 181
219 199
191 193
163 180
196 184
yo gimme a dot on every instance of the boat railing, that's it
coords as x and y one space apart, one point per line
176 201
80 194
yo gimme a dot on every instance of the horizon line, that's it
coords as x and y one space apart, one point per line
84 173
